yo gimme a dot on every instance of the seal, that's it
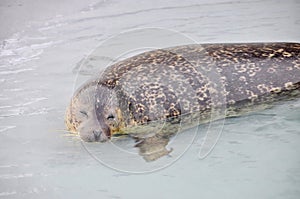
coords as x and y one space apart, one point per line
161 92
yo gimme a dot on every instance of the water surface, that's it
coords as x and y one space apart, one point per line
257 155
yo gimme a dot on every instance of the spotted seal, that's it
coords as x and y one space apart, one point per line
155 93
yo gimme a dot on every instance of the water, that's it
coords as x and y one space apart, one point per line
257 155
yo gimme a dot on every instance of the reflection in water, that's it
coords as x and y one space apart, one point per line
154 147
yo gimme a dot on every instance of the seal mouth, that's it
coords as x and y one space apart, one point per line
102 135
96 135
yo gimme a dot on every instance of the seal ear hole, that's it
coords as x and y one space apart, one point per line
110 117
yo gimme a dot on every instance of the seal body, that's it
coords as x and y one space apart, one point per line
164 91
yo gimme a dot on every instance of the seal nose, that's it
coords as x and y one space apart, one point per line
97 135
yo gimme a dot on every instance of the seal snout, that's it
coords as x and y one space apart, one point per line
99 136
95 135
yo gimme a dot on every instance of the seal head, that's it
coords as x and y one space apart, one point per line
81 117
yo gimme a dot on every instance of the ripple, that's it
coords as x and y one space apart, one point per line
33 101
14 90
7 193
5 128
39 112
14 112
9 176
3 107
15 71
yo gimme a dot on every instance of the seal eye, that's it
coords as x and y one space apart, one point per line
84 113
110 117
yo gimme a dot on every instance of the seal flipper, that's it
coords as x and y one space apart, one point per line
153 148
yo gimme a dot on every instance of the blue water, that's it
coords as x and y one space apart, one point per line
256 156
